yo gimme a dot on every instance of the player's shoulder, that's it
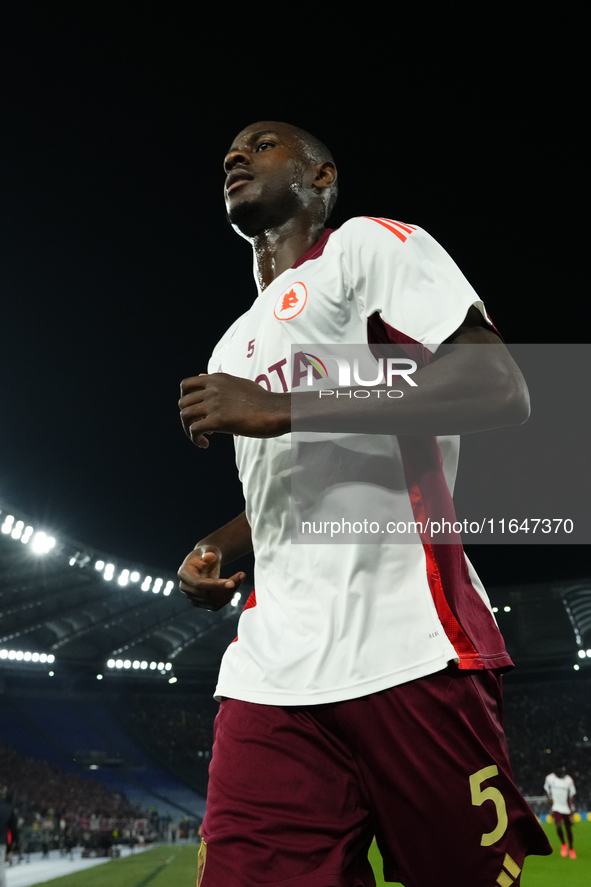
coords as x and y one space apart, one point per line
376 234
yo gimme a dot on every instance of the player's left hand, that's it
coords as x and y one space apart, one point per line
224 403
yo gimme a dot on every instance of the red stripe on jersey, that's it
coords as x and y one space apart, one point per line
395 231
251 602
468 622
405 226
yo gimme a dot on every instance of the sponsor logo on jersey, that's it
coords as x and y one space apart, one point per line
291 302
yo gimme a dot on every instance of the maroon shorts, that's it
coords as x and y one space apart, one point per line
296 794
561 817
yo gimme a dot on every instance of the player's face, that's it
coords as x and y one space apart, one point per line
266 178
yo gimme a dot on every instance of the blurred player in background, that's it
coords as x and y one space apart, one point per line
362 694
560 791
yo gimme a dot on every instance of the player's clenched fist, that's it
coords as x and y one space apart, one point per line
219 402
200 579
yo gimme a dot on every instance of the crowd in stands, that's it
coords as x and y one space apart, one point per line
179 732
60 809
546 725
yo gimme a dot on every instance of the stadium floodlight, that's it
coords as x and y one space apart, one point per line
576 667
19 655
135 576
123 577
27 534
3 654
127 663
109 570
146 583
111 663
168 666
42 543
160 666
172 680
18 529
582 654
153 666
589 653
119 663
236 599
495 609
168 587
27 657
43 657
158 583
51 673
143 664
7 525
12 654
507 609
99 677
35 657
100 565
51 658
136 663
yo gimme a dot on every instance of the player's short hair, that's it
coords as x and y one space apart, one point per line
316 152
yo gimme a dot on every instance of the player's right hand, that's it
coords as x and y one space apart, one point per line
200 579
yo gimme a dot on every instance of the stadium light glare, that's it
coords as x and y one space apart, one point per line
111 663
507 609
168 587
143 664
3 654
109 570
20 655
145 586
51 658
136 663
27 535
43 657
51 673
123 577
35 657
135 576
582 654
100 565
168 666
158 583
42 543
12 654
160 666
119 663
18 529
589 653
236 599
172 680
99 677
495 609
7 525
576 667
127 663
27 657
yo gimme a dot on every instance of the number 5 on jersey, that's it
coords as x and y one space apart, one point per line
250 351
479 796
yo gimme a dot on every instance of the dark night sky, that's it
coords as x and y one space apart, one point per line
118 271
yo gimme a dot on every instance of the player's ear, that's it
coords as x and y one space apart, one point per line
325 174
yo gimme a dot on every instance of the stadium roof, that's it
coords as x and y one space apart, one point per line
68 607
65 605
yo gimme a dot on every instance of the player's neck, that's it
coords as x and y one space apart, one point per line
276 250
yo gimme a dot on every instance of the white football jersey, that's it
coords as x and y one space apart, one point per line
560 792
334 622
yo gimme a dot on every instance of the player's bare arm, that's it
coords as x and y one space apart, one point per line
465 390
200 572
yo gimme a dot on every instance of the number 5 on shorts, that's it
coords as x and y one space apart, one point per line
489 794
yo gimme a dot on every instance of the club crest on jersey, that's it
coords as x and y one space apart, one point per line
291 302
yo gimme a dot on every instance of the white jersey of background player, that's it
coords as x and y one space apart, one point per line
561 791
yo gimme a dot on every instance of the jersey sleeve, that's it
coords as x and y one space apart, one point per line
401 273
